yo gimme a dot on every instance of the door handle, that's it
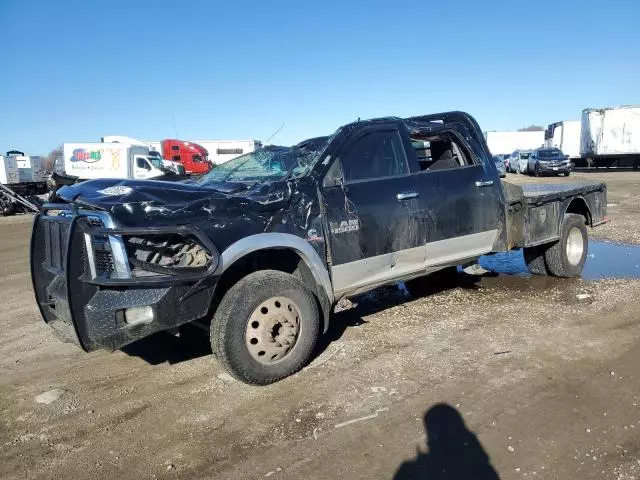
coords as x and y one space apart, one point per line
407 195
484 183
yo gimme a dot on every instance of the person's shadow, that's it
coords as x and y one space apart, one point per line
454 452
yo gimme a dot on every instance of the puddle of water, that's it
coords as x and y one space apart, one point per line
605 260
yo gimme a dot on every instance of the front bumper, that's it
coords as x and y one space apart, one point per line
555 167
88 298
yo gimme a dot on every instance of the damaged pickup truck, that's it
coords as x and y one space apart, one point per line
266 244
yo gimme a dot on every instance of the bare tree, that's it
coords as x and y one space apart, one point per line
532 128
54 156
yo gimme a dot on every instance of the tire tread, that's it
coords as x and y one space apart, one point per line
534 257
226 317
555 255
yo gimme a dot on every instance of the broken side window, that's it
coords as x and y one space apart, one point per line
375 155
440 152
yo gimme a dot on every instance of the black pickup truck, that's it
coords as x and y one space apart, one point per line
266 244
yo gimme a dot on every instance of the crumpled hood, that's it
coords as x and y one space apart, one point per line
136 202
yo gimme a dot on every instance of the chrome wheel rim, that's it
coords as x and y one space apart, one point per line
273 330
575 246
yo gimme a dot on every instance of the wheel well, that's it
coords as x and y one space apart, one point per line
579 207
282 259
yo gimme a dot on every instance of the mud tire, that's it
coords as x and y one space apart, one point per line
232 317
535 260
557 257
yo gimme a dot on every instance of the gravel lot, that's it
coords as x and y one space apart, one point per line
540 377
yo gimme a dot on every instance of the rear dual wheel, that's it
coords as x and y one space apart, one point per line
564 258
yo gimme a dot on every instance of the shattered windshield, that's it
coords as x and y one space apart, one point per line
268 164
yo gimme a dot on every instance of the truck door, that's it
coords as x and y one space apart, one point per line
142 168
372 212
460 194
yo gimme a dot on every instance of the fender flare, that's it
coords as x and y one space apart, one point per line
271 240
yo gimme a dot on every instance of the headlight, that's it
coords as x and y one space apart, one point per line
168 254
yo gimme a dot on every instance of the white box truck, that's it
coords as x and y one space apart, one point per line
155 151
89 161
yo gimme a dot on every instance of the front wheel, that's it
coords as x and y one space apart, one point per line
566 257
566 174
265 327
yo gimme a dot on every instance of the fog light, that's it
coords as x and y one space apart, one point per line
139 315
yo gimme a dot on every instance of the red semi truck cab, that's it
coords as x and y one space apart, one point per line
194 157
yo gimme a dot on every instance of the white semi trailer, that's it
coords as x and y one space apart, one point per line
610 137
221 151
603 137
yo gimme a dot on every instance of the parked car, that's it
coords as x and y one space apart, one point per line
548 161
500 166
506 157
512 164
518 161
265 245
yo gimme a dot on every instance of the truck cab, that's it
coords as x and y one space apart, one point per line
146 166
194 157
156 159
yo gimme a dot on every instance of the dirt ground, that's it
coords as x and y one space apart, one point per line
533 378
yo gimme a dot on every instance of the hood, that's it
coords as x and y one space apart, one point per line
136 202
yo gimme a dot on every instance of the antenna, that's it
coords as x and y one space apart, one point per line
175 128
274 134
